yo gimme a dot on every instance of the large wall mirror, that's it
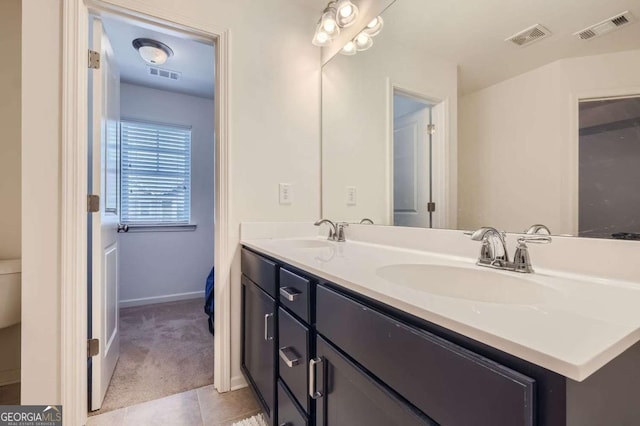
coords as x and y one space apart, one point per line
496 113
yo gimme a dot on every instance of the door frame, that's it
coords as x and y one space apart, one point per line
73 265
445 170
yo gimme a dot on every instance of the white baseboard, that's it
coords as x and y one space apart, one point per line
162 299
9 377
238 382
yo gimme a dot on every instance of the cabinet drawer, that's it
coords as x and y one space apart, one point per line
261 271
450 384
293 356
295 294
288 412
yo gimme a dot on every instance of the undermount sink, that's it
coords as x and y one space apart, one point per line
304 244
466 283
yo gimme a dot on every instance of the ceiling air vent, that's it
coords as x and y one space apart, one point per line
162 73
605 26
528 36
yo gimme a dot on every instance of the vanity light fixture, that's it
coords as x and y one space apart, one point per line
337 15
364 39
152 51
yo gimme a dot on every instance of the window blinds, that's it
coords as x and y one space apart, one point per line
155 174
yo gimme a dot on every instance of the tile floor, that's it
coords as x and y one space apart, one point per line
198 407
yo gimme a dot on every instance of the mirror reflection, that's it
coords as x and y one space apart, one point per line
504 114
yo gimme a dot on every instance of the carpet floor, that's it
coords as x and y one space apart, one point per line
164 349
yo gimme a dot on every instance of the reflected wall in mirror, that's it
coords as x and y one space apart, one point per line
448 122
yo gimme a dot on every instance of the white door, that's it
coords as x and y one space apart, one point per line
105 119
412 169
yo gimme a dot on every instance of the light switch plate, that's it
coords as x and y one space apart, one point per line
351 195
286 193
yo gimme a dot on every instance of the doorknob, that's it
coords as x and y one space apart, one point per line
123 227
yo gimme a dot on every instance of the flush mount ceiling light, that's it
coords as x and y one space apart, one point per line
152 51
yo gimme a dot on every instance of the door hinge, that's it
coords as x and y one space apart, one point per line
431 128
93 203
94 59
431 206
93 347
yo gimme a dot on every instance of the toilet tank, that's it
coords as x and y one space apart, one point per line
10 292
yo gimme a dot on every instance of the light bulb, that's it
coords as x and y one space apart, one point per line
375 26
349 49
346 11
322 37
329 25
363 41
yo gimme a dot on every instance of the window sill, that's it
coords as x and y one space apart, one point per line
163 228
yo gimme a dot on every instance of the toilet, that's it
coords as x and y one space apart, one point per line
10 299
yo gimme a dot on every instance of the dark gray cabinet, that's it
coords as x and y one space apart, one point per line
349 396
371 364
259 343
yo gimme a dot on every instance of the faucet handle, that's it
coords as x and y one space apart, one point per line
521 259
535 239
340 231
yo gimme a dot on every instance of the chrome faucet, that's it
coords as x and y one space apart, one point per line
494 250
366 221
333 231
336 232
489 253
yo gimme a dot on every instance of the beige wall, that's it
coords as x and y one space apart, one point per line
274 136
10 169
518 142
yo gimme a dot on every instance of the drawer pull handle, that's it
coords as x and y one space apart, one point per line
266 327
289 356
313 393
289 293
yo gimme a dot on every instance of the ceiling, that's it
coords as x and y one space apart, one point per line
194 59
471 33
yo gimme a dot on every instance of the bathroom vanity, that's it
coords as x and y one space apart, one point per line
321 347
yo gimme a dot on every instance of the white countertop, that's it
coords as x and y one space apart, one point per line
581 325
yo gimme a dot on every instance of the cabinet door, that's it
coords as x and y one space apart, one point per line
346 395
258 350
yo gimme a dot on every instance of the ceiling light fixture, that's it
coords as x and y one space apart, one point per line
152 51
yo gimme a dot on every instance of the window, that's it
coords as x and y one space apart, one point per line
156 174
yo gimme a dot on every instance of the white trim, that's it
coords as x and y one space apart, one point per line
73 226
73 194
161 299
238 382
9 377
